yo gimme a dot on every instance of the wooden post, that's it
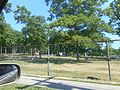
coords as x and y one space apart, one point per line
108 59
48 60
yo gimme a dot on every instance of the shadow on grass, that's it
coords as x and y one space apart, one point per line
28 87
58 61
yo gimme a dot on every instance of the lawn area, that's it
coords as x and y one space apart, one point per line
21 87
71 68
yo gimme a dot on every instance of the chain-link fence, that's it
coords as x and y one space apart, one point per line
71 60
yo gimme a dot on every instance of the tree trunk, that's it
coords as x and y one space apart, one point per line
40 53
77 53
5 50
66 51
1 50
78 56
57 53
32 52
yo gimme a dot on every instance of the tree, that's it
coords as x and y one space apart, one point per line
114 51
34 31
81 19
7 33
114 14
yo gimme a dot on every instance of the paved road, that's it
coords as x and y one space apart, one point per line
63 85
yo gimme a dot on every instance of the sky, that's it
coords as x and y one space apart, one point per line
38 7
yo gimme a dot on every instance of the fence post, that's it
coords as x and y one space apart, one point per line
108 59
12 54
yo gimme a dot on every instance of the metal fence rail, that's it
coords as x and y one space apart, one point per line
61 60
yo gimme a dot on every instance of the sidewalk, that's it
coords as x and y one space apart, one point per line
63 84
77 80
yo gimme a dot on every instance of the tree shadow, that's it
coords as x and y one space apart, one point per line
53 85
2 57
57 61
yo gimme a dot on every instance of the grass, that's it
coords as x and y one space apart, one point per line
67 67
20 87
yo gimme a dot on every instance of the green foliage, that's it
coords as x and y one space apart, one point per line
22 15
34 31
74 22
114 13
114 51
81 19
8 8
81 40
73 7
8 36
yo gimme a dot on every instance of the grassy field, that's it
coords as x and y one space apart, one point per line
65 67
21 87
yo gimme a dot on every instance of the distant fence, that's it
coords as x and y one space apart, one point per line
71 60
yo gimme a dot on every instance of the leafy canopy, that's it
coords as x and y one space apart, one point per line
34 30
114 14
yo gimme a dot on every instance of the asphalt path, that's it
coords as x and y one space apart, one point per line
62 84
